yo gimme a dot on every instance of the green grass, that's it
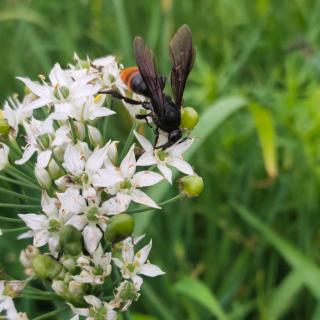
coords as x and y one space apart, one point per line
249 247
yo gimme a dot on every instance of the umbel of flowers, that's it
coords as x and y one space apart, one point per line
76 186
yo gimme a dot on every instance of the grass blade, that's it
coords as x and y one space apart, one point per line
307 269
199 292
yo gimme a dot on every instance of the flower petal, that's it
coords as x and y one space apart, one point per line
167 173
179 148
145 143
150 270
73 160
147 159
128 164
78 221
146 178
93 300
181 165
92 236
117 204
140 197
96 159
106 177
40 238
34 221
72 201
44 158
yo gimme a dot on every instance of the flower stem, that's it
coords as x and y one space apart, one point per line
4 231
129 141
18 195
24 184
6 219
171 200
20 206
50 314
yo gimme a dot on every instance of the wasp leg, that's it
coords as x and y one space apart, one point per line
144 117
156 132
165 145
119 96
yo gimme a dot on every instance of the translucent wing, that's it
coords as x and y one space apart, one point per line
182 56
153 81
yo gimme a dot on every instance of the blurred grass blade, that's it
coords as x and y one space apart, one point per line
266 132
198 291
283 297
308 270
209 121
138 316
155 301
124 33
23 14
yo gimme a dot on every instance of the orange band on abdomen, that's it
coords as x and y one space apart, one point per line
127 75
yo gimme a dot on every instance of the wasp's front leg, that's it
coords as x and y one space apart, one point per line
144 117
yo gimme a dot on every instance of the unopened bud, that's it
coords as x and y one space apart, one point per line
70 240
69 263
112 152
127 291
4 126
54 170
59 287
26 257
95 136
119 227
189 118
191 186
46 266
43 177
4 156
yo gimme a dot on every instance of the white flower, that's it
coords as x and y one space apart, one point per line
42 138
124 183
6 301
4 154
95 269
98 310
45 228
164 158
90 109
15 112
126 293
110 73
63 91
86 218
132 265
82 166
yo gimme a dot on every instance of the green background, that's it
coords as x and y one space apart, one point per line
248 247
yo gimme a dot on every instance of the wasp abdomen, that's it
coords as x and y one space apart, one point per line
133 79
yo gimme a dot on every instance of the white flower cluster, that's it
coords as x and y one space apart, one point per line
83 228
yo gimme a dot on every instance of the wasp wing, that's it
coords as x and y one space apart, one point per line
153 81
182 56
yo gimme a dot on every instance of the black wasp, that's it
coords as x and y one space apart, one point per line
144 79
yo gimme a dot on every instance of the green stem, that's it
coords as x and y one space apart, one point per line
20 183
20 206
50 314
73 131
19 177
87 135
4 231
128 142
18 195
171 200
24 175
36 297
6 219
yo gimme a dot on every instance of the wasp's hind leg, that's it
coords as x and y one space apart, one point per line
119 96
144 117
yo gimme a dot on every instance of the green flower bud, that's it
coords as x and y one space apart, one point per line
44 140
70 240
95 136
43 177
113 152
54 170
4 126
46 267
191 186
69 262
189 118
120 227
